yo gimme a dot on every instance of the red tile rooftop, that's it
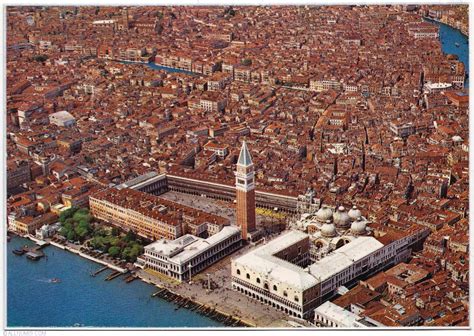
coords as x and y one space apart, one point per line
148 205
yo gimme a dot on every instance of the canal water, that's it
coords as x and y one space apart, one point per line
454 42
82 300
160 67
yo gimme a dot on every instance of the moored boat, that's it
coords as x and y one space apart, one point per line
34 255
18 251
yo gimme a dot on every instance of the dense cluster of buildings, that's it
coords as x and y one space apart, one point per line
31 210
337 105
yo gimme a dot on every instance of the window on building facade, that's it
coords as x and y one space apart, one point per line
248 276
275 287
258 280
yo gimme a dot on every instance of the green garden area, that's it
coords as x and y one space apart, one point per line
77 226
117 244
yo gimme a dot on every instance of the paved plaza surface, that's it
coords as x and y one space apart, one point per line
221 208
207 204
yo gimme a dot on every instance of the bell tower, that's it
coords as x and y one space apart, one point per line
245 188
124 24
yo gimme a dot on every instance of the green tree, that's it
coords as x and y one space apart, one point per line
82 214
69 222
135 251
64 231
71 235
126 253
115 241
67 214
80 233
85 224
130 236
115 231
99 231
98 243
114 251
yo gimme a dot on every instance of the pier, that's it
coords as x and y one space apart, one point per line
100 270
32 253
130 278
113 275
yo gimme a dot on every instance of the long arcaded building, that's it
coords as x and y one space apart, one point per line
157 184
150 216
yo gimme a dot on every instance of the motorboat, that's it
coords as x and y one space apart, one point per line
18 251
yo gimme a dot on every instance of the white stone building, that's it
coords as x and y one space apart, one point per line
331 315
188 255
280 273
62 119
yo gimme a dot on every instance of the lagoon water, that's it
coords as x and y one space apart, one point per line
82 300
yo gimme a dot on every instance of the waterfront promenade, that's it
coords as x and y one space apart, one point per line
76 249
223 298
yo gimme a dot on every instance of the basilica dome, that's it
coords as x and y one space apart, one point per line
341 217
359 226
354 213
328 229
324 214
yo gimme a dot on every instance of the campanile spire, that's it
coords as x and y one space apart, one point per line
245 189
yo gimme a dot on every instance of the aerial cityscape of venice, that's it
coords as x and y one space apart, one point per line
237 167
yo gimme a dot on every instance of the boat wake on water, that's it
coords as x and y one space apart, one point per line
43 280
53 280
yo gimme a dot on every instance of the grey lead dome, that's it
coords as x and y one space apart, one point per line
341 218
354 213
359 226
324 214
328 229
